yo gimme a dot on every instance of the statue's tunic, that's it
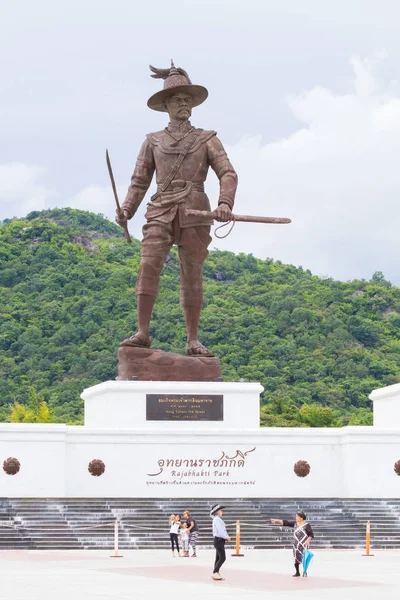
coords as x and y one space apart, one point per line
167 222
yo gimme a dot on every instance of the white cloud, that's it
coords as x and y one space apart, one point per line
337 177
22 189
96 199
101 200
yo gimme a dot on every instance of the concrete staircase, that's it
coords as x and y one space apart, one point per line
34 523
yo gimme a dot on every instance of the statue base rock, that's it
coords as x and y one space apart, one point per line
156 365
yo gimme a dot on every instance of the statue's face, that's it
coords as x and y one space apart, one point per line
179 106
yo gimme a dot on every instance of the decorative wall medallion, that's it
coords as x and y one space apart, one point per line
96 467
302 468
11 466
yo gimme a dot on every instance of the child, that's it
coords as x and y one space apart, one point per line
175 524
220 537
184 539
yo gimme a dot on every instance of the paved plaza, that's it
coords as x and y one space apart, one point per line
93 575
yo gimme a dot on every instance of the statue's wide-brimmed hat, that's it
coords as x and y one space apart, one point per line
176 80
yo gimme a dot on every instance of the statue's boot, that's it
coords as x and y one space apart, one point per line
139 340
197 349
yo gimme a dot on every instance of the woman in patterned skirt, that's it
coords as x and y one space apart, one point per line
302 536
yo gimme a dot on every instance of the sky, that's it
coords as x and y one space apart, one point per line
304 95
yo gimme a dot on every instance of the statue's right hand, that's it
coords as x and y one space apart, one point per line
121 218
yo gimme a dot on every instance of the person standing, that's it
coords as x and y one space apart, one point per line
193 530
220 536
302 536
175 524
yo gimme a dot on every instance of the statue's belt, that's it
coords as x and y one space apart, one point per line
176 193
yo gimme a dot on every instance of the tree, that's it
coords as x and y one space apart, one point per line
379 278
66 301
314 415
37 410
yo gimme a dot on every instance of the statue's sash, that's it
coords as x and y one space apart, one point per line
177 164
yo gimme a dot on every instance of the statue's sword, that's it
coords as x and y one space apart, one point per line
236 218
119 210
241 218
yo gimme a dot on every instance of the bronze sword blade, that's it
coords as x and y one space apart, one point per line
110 171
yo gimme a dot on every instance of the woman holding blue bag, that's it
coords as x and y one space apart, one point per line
302 536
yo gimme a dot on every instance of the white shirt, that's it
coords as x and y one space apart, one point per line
219 529
175 525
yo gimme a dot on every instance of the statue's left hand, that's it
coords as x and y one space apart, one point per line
223 213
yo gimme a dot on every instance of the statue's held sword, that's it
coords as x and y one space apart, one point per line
119 210
238 218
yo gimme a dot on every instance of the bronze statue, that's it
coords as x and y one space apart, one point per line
180 155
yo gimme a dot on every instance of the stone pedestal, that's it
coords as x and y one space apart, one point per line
386 402
172 406
156 365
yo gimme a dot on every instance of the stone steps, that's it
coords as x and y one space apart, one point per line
57 523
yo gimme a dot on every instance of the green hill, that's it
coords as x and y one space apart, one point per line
67 279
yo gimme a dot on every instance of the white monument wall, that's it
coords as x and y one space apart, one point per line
176 459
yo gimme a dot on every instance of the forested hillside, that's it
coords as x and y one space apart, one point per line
67 279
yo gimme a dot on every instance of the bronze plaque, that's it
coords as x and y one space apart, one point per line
188 407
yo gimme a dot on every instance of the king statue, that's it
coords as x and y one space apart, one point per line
180 156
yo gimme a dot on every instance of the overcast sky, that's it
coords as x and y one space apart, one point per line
305 95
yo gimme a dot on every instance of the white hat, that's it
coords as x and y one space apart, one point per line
215 509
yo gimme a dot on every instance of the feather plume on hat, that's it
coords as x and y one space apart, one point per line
164 73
